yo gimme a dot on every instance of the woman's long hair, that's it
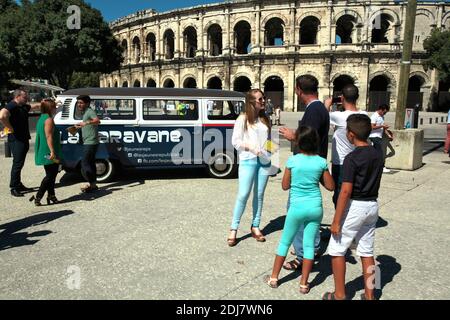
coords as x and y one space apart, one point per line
250 110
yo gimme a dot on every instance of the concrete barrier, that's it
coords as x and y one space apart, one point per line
405 152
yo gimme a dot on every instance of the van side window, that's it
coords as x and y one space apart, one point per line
170 109
112 109
224 110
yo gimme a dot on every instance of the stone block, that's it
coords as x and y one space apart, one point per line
405 152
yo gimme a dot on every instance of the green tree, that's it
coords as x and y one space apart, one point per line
49 49
437 46
9 10
85 80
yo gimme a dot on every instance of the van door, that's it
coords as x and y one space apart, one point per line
173 132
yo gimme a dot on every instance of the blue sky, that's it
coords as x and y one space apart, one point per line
112 10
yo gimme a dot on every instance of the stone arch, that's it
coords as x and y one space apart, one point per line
209 24
339 80
381 89
428 13
124 45
347 26
151 83
281 16
116 83
169 44
423 75
446 21
168 82
349 74
274 88
190 40
309 30
136 83
190 82
385 73
389 12
150 40
274 31
215 39
214 82
242 83
308 14
239 19
349 12
125 83
242 37
136 49
384 27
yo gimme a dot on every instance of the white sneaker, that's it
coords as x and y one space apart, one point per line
386 170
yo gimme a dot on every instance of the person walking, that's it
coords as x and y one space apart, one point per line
379 128
89 132
15 119
250 135
269 111
47 152
317 117
302 176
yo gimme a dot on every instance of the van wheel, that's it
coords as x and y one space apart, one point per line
222 166
106 170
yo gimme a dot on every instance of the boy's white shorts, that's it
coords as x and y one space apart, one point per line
360 220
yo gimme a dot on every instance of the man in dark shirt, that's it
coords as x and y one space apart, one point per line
15 119
317 117
357 208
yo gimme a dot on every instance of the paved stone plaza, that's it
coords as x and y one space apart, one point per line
162 235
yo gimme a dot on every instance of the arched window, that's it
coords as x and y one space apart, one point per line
383 29
169 84
274 90
340 82
137 84
136 49
151 46
151 83
190 83
124 46
346 29
125 84
215 40
309 29
190 42
116 84
415 92
242 84
242 37
215 83
274 32
379 92
169 44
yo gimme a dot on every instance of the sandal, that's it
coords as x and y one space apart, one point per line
330 296
292 265
304 289
232 241
363 297
259 237
271 282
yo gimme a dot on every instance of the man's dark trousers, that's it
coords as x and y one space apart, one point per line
88 168
19 150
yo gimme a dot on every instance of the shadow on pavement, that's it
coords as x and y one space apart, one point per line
388 268
11 238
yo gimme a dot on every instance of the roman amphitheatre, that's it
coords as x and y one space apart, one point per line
263 44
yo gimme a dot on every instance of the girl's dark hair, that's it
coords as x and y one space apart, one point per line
47 105
307 139
85 99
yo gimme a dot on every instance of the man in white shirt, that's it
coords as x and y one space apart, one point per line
378 129
341 147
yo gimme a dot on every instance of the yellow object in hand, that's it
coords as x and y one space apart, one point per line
271 146
7 131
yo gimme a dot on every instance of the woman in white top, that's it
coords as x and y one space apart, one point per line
250 135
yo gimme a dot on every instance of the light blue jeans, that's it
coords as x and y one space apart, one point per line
252 173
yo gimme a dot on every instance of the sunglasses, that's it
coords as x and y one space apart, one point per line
261 99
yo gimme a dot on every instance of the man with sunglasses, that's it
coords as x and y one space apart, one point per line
15 119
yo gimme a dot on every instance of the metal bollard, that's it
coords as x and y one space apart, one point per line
7 150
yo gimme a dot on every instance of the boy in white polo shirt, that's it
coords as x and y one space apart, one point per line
378 129
357 208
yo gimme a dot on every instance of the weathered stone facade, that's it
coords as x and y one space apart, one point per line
267 44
